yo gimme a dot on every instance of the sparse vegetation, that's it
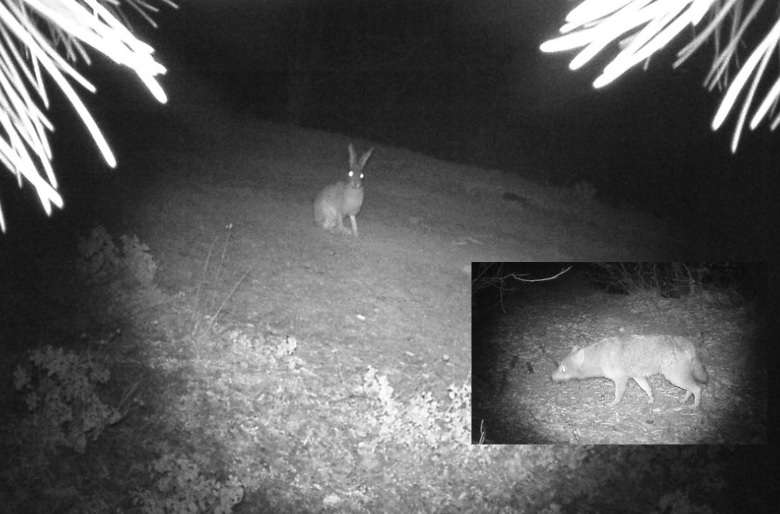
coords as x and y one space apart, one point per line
155 380
724 281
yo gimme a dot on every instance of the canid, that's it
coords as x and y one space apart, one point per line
637 357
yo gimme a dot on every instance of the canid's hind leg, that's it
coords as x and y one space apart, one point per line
687 383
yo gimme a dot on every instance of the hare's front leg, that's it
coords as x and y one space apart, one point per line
353 221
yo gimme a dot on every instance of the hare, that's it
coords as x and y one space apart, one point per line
342 198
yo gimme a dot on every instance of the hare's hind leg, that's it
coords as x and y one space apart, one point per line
339 225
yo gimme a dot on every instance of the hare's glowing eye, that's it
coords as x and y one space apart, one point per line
351 173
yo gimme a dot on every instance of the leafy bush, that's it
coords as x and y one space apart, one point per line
181 488
100 260
118 278
421 419
60 392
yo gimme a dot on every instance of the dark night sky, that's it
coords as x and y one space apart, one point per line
465 81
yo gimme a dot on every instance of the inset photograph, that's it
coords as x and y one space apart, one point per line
619 353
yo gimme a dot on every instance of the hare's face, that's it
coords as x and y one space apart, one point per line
355 179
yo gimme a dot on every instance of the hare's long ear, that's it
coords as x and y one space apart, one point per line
352 157
365 157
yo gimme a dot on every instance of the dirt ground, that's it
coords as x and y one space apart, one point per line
218 187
